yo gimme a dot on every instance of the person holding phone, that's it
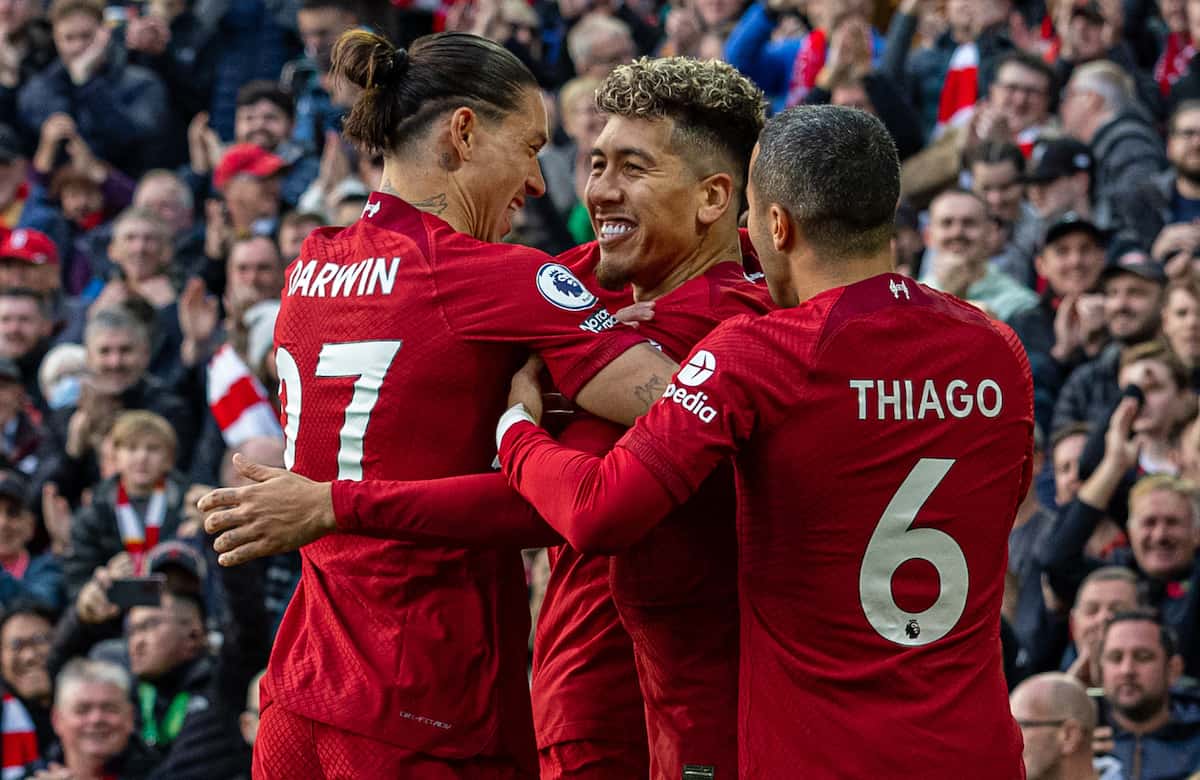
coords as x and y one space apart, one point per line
129 514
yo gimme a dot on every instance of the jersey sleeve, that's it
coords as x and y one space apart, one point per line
518 295
476 510
606 504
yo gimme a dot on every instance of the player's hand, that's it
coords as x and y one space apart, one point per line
527 388
631 315
282 512
1102 740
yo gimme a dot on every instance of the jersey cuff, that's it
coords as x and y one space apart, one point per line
515 414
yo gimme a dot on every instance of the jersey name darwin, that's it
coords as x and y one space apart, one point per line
914 399
313 279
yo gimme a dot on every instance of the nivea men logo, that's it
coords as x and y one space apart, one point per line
560 287
697 370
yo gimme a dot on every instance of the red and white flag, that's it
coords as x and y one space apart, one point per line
960 91
1027 139
239 402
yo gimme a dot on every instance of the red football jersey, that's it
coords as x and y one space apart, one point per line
675 591
396 340
882 442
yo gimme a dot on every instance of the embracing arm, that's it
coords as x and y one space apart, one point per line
599 505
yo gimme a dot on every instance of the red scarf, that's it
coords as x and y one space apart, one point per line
807 67
1174 61
137 537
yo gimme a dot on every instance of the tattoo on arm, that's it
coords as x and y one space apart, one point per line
434 205
651 391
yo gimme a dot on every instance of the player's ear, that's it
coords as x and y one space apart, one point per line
717 196
464 129
783 232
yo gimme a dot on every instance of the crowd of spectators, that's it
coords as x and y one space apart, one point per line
162 160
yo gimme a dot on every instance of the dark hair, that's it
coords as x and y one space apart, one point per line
994 153
188 596
1170 644
714 107
1067 431
1183 107
1036 64
30 607
254 91
404 91
836 172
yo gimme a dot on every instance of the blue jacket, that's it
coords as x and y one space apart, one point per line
120 112
43 583
770 64
1171 753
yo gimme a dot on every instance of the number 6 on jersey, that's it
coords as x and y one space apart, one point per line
367 360
893 543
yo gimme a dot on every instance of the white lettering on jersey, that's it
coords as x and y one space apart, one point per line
693 402
894 399
375 274
598 322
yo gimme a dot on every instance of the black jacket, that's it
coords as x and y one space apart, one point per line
96 538
1090 391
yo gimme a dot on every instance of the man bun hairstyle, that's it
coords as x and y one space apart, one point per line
836 172
715 108
403 91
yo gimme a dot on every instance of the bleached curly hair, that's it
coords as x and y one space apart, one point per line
714 107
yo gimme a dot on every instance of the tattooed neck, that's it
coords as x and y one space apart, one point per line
434 205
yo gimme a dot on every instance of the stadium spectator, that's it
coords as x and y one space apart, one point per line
1133 295
960 65
24 575
1153 206
1156 732
14 188
1103 593
1059 179
1181 322
320 22
93 720
120 109
168 38
25 330
997 172
29 260
118 349
598 43
26 631
26 47
1067 327
959 263
133 511
1100 109
1057 721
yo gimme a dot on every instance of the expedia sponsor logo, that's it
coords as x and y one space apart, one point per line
696 403
600 321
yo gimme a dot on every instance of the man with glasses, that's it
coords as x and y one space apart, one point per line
1160 210
26 631
1017 108
1057 720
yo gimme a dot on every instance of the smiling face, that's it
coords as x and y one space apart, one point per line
642 197
93 720
1162 533
504 168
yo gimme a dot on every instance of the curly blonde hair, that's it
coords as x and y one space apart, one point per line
714 107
